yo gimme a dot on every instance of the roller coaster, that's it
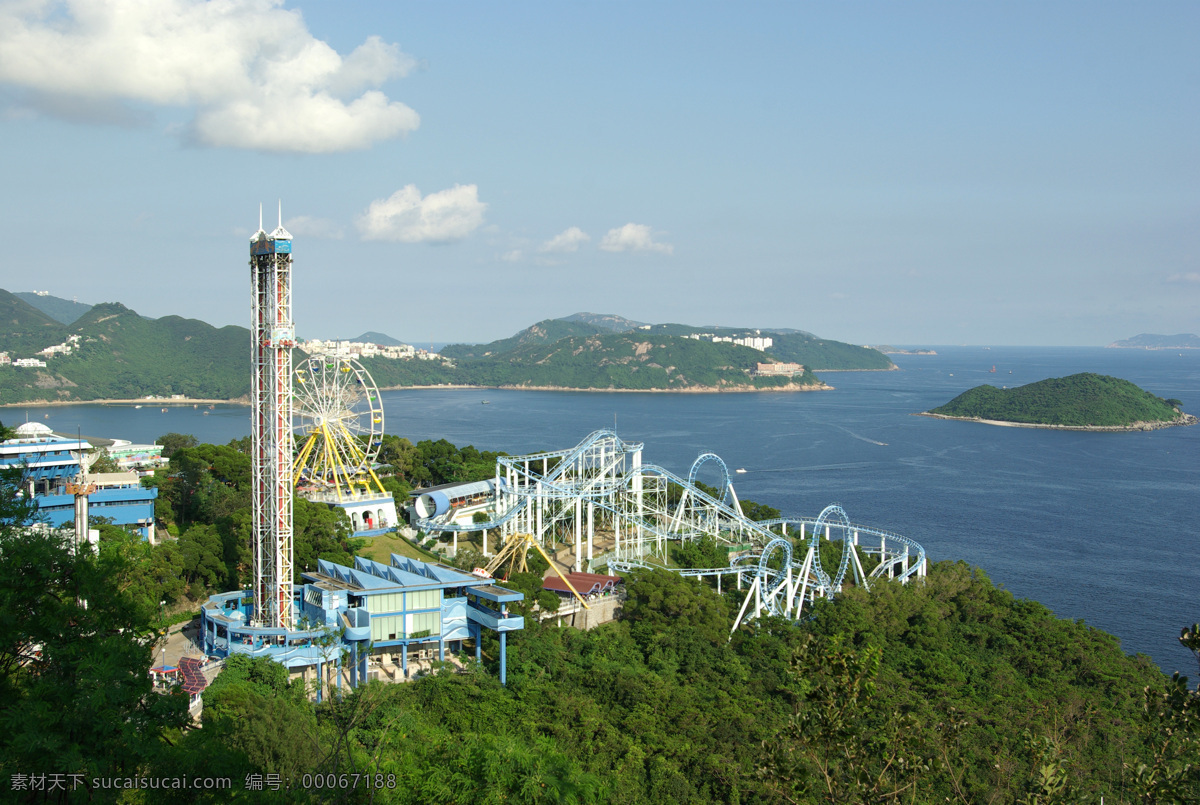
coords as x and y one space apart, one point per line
599 494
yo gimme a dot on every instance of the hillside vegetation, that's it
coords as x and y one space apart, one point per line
795 346
614 361
121 355
61 310
1077 400
547 331
949 690
24 329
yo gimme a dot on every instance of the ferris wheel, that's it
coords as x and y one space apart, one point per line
338 426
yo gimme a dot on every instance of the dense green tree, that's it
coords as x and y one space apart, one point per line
202 551
173 442
75 651
253 709
1081 399
702 552
155 573
104 462
319 532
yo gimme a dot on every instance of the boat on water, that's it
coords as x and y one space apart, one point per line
992 370
137 406
487 402
740 470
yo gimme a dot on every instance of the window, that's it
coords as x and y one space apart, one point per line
385 628
426 599
428 622
385 602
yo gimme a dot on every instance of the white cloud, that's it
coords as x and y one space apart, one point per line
437 218
251 71
305 226
567 241
1189 277
513 256
633 238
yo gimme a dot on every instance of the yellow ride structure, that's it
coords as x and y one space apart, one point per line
514 554
338 427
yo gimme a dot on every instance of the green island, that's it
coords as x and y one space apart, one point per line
109 352
1084 401
950 690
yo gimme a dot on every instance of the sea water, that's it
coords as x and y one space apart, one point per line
1103 527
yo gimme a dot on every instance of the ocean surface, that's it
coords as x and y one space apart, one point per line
1103 527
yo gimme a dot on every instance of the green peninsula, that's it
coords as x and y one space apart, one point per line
1085 401
605 362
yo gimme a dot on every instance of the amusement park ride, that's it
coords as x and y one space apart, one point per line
273 336
600 493
596 494
339 430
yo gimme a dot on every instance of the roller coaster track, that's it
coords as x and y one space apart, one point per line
601 484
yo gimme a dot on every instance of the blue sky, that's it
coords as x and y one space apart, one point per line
918 173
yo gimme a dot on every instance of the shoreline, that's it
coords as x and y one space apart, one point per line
892 368
1184 420
695 390
178 403
242 401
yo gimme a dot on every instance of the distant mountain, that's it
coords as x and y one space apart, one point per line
24 329
121 355
625 361
1149 341
605 321
795 346
377 338
64 311
544 332
118 354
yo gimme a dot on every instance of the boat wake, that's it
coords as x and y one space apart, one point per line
854 435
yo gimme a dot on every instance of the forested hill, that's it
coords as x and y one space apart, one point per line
947 690
1080 400
544 332
790 346
65 311
627 361
121 355
117 354
24 328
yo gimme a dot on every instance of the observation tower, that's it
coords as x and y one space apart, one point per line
345 623
272 337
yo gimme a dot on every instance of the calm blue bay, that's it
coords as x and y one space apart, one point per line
1102 527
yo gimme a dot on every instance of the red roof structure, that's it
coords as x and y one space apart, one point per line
193 677
584 583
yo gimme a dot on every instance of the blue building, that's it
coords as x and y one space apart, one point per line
387 619
50 461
